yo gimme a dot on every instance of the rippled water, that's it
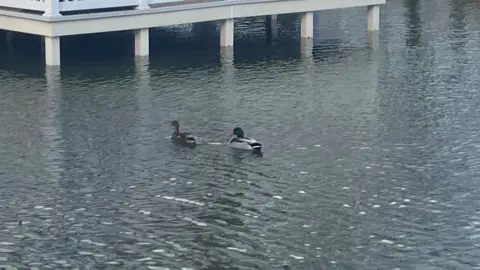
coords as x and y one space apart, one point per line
371 157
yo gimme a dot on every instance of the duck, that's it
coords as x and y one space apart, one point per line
242 142
182 138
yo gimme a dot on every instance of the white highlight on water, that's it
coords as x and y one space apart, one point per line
93 243
162 251
296 257
237 249
144 259
158 268
385 241
198 223
180 200
145 212
277 197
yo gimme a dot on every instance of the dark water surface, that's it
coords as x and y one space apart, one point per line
371 159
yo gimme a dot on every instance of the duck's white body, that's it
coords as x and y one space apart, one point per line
245 143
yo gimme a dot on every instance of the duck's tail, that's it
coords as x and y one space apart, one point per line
256 146
190 139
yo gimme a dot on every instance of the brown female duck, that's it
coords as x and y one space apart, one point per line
182 138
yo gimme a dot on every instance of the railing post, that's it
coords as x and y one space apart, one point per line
52 8
143 4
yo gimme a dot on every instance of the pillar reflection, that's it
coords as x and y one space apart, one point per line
54 152
228 71
306 47
373 40
146 134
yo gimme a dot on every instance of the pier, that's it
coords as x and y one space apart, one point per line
54 19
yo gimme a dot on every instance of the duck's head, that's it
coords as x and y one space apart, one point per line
175 124
238 131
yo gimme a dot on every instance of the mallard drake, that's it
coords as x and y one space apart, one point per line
183 138
242 142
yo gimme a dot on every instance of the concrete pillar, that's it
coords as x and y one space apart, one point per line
52 51
373 18
307 25
271 23
227 30
142 42
9 36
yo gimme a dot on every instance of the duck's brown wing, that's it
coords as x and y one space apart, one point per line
184 134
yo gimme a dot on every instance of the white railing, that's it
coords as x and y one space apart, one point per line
37 5
54 7
151 2
74 5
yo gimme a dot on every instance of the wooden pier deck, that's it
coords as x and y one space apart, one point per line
54 19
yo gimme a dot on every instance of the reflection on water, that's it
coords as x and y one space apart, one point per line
370 159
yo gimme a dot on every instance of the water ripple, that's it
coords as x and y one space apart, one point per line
371 157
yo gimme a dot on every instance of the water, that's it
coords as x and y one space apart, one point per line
371 157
